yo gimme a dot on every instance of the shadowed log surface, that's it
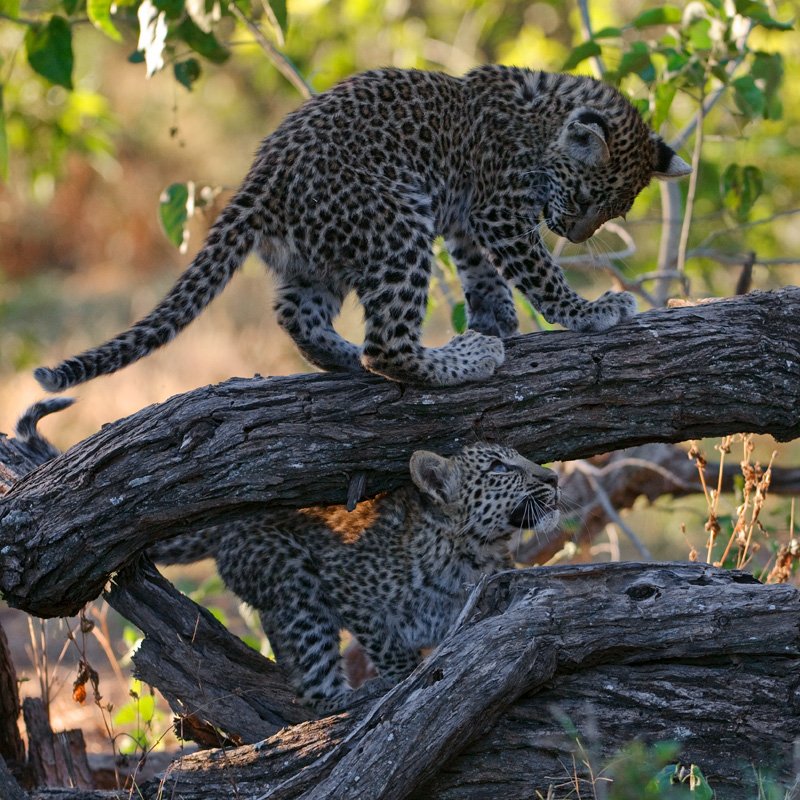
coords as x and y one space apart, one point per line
678 651
666 375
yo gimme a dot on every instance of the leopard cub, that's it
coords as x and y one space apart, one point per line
396 572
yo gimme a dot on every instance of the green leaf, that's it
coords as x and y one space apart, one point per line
699 34
173 9
281 17
664 780
581 53
3 140
49 50
741 187
760 15
665 15
173 211
458 318
187 72
10 8
99 12
201 42
699 785
637 60
71 6
607 33
663 96
126 715
768 70
749 98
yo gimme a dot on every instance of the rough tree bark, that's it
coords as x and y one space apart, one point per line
666 375
619 651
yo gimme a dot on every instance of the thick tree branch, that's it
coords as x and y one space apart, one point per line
650 647
667 375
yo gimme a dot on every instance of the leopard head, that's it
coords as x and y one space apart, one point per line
490 491
599 162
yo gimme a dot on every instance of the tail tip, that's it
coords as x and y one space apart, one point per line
49 379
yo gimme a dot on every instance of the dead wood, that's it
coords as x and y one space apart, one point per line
666 375
681 651
56 759
9 788
12 750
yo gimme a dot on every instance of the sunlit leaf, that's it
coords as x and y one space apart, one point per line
581 53
152 36
278 8
203 16
663 96
49 49
174 212
607 33
458 318
187 72
699 34
10 8
665 15
760 15
126 715
99 12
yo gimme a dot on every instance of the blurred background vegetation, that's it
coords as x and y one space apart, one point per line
89 143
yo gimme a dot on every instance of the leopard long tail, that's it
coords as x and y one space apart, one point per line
186 548
27 432
229 241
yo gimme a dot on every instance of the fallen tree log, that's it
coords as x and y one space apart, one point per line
666 375
705 657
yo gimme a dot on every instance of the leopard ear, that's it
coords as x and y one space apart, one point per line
434 476
668 165
584 137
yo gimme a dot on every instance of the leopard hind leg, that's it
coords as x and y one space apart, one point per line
394 296
298 618
306 311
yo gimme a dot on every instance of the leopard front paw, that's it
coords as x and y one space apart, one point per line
624 303
608 310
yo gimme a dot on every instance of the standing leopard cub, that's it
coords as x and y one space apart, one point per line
349 193
396 572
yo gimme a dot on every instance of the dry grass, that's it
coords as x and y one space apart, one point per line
748 539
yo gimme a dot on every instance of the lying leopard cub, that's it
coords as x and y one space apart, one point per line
395 572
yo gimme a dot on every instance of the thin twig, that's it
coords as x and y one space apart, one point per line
279 59
586 28
692 191
588 470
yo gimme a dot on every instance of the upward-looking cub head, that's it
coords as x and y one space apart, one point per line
601 158
489 488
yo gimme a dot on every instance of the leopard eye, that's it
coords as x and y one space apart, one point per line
499 468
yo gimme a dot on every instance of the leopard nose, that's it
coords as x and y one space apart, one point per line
550 478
